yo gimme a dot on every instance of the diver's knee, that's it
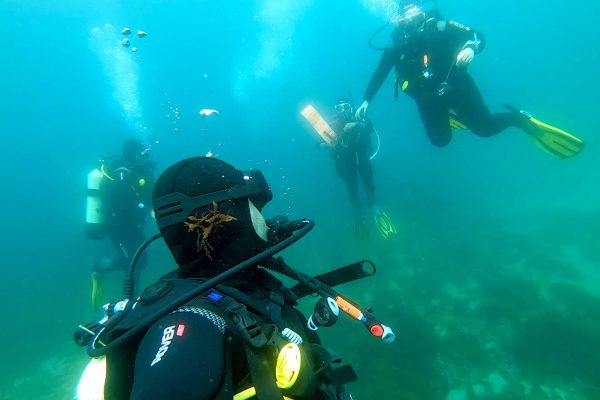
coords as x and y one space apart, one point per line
484 126
484 131
440 141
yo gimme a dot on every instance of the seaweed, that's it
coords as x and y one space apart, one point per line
205 226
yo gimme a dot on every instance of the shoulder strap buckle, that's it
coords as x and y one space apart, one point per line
246 326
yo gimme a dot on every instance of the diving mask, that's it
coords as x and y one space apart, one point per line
344 110
176 207
412 17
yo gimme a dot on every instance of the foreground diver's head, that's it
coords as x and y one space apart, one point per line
135 150
344 109
209 214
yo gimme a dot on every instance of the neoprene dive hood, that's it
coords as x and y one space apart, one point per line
135 150
203 208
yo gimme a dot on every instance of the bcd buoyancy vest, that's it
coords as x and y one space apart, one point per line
258 325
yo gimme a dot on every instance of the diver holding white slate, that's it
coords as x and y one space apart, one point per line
352 150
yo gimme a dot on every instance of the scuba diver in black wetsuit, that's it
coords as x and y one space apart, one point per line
119 195
220 326
352 154
431 56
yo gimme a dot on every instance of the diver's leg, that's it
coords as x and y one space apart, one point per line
365 169
359 227
339 166
132 243
352 185
119 241
470 108
346 167
126 240
434 114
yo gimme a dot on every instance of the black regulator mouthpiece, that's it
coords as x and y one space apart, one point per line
281 228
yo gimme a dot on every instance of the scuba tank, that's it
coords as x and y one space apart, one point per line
94 220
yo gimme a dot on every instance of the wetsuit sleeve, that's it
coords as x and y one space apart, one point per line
338 126
463 35
383 69
182 356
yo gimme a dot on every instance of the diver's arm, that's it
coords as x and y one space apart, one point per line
463 35
383 69
338 127
469 41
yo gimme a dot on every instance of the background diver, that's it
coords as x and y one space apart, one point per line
225 338
352 153
430 56
119 194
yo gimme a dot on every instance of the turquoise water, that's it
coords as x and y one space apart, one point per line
491 284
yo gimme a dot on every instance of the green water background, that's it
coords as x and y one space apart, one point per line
491 284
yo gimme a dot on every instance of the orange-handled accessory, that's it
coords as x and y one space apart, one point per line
350 309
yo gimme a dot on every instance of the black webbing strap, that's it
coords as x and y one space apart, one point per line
263 376
271 310
243 326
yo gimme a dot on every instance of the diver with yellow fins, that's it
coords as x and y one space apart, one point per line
350 144
221 325
431 56
118 195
